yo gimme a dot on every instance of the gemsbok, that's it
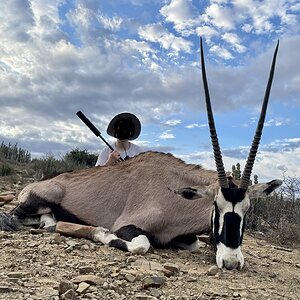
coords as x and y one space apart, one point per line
153 199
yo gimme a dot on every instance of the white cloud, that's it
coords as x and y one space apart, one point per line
234 40
220 16
195 125
172 122
277 122
166 135
207 32
158 34
183 14
221 52
113 23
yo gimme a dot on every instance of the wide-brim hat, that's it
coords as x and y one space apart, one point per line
125 117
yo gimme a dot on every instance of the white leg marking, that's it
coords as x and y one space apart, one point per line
194 247
48 221
139 245
103 235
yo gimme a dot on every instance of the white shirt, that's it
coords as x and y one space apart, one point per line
132 151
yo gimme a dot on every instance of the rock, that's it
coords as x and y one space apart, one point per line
171 268
5 289
82 287
154 266
130 278
69 295
16 274
85 247
37 231
144 297
6 198
155 293
86 270
212 271
91 279
153 281
191 279
141 264
66 285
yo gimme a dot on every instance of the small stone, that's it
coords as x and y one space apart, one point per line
171 268
191 279
82 287
86 270
212 271
91 279
153 281
105 285
15 274
68 295
130 278
143 297
37 231
155 293
85 247
5 289
154 266
66 285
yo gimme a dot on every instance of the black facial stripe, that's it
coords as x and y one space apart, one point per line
230 234
34 203
234 196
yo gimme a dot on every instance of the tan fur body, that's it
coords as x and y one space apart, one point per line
139 191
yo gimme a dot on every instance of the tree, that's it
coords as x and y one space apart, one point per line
255 179
236 171
81 157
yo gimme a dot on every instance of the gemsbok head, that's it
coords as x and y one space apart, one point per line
232 201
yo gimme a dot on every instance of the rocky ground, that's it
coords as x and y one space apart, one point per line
40 265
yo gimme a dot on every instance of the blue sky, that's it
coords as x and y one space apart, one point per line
111 56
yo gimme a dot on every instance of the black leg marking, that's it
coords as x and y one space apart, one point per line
119 244
129 232
34 203
187 239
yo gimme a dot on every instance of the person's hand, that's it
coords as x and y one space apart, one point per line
113 158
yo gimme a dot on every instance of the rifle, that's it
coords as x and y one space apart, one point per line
92 127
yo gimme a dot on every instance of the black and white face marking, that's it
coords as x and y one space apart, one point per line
230 207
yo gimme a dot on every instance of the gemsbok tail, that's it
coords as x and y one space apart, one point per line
9 222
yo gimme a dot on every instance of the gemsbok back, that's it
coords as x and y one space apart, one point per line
153 199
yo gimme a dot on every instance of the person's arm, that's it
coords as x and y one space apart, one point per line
113 158
107 158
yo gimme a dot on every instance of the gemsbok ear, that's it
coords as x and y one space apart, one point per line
263 189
